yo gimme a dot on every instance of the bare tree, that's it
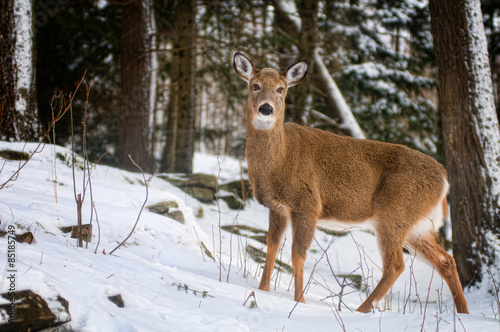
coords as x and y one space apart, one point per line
179 147
136 84
308 11
18 114
471 133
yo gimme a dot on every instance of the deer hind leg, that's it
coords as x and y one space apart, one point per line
277 226
391 246
427 246
304 227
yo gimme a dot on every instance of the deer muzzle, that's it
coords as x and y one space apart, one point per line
266 109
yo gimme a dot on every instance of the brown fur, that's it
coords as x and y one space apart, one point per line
305 175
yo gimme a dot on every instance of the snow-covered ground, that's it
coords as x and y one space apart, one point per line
163 257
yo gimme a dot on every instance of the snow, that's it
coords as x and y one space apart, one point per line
290 8
151 270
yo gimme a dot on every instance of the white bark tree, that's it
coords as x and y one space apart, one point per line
17 82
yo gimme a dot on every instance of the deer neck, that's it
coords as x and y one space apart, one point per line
265 147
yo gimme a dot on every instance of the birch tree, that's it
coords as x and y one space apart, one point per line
18 115
471 136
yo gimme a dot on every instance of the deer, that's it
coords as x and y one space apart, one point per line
308 177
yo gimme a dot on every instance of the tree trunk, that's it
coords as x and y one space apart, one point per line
18 114
308 11
471 134
179 148
168 161
134 132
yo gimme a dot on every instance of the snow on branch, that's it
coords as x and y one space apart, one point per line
335 99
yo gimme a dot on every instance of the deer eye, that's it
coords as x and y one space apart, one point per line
280 90
256 87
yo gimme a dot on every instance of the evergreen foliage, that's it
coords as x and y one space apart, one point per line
71 39
381 54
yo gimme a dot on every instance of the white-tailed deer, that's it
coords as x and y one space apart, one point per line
312 177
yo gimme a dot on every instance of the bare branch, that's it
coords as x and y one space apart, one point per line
146 183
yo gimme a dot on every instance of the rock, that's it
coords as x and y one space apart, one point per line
86 232
233 202
176 215
14 155
259 256
27 311
356 280
27 237
241 190
199 212
247 231
163 207
201 186
117 299
204 195
192 180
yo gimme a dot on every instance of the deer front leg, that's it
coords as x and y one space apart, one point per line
277 226
303 234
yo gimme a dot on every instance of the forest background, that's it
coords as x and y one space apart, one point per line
379 53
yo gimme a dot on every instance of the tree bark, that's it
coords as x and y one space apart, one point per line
179 148
308 11
18 114
169 149
471 134
134 132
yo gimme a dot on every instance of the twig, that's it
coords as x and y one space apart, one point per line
312 273
427 301
336 312
252 294
231 241
199 242
220 214
146 182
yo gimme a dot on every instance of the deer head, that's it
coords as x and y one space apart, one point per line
267 90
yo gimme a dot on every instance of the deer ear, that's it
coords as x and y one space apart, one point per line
296 73
243 66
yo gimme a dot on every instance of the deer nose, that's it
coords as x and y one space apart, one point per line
266 109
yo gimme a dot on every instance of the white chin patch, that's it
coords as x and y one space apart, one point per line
263 123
